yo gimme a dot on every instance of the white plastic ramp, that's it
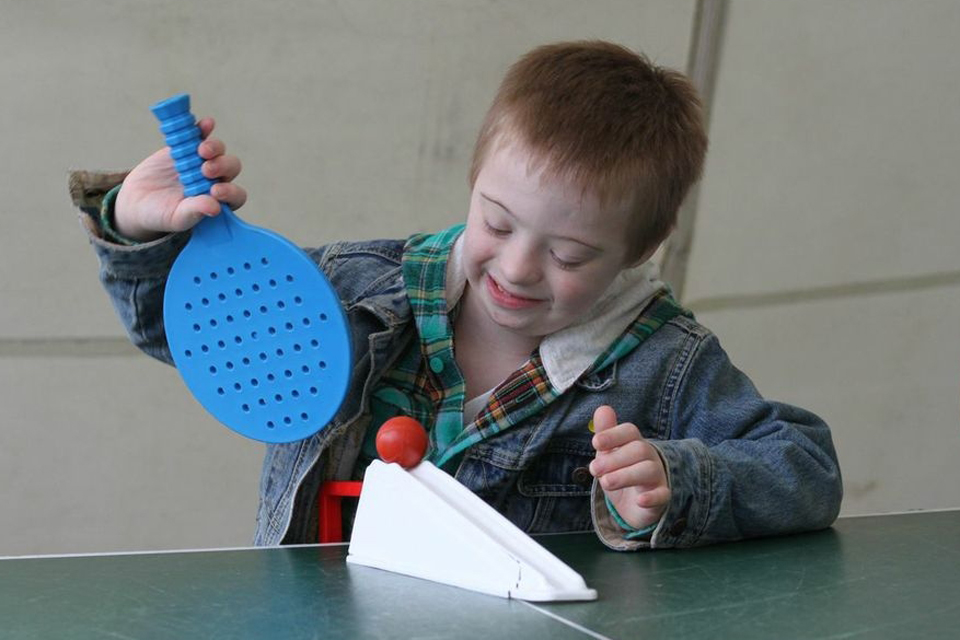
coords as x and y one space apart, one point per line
423 523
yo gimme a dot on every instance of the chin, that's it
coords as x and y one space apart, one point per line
526 327
506 319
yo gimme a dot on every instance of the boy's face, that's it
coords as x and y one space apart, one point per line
537 255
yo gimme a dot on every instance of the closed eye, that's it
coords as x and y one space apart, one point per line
496 231
565 264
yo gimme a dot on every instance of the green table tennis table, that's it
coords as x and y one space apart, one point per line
893 576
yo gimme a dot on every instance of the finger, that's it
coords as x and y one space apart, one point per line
617 436
630 454
224 168
604 418
635 454
211 148
206 126
610 460
654 498
234 196
183 220
644 475
192 210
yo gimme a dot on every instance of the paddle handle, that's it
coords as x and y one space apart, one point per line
180 130
182 135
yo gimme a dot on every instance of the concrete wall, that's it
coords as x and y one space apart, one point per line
826 252
824 257
354 120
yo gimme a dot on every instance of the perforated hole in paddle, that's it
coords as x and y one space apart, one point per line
258 321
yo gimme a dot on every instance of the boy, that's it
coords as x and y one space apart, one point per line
513 337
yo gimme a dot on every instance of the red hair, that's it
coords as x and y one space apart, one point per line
607 120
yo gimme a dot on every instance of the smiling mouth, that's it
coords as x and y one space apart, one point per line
506 299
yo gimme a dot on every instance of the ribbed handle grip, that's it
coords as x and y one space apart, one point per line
180 130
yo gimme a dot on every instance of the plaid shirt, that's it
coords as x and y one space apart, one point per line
426 383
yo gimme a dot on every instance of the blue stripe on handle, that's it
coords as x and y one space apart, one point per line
182 135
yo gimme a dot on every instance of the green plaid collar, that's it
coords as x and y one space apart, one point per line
438 379
426 383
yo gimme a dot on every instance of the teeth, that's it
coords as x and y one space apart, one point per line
504 290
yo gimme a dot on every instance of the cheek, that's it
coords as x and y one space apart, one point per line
575 292
476 251
580 290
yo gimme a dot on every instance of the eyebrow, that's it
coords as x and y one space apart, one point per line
514 216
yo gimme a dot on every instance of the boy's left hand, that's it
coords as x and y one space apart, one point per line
629 470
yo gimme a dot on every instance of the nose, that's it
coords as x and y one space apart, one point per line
518 263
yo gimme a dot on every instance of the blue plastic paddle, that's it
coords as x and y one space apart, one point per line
254 327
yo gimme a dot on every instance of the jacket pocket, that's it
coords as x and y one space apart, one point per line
561 471
558 482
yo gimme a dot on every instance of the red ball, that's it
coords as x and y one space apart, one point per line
402 440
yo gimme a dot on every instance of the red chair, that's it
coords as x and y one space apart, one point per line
330 518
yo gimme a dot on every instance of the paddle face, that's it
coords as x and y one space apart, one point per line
257 334
256 330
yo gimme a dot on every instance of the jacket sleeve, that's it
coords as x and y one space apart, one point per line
133 277
739 466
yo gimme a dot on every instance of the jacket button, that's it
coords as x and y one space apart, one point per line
582 476
678 527
436 365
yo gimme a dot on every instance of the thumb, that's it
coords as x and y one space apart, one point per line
604 418
192 210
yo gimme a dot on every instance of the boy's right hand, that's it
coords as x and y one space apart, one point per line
629 470
151 203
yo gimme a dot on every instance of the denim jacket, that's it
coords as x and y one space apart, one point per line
738 465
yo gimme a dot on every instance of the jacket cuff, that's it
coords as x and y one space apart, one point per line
606 527
629 531
106 219
690 475
88 190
